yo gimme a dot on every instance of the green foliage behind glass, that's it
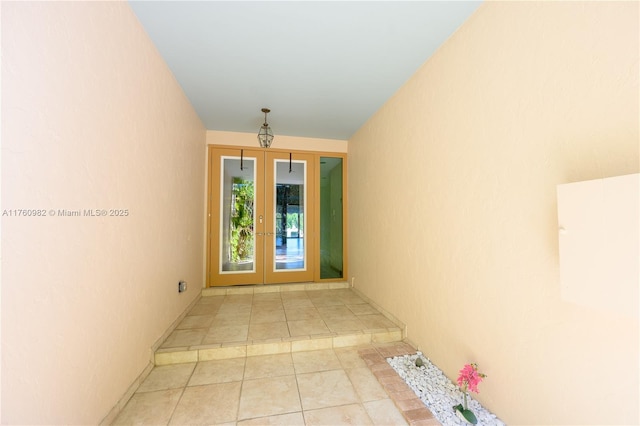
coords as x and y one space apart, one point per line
241 223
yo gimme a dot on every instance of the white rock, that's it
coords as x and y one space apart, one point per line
437 392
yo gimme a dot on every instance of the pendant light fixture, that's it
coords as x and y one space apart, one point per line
265 135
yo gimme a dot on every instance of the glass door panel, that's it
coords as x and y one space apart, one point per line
331 218
237 203
289 215
237 224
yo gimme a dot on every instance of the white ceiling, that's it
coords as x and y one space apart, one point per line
323 68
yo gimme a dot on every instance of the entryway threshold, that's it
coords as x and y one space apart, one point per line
272 288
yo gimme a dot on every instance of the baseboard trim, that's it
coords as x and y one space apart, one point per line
384 312
117 408
115 411
171 328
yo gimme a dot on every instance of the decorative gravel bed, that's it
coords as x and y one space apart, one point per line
437 392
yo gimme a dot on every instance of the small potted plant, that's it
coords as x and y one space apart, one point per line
468 379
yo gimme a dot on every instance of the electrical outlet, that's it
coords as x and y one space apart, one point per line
182 286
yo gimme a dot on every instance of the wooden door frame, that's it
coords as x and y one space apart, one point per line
315 204
213 229
284 276
345 263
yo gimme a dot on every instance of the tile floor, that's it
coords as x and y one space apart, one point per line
284 321
339 384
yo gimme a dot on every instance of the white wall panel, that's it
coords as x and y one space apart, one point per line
599 233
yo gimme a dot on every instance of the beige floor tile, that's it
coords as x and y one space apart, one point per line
267 305
342 325
375 321
348 297
262 366
238 299
175 357
325 389
195 321
266 297
223 352
366 384
349 357
384 412
226 333
210 404
204 310
312 344
351 340
238 290
269 330
235 306
231 319
326 301
319 294
167 377
268 348
269 397
295 314
214 291
313 361
243 308
267 315
297 294
149 408
297 303
238 304
291 419
364 309
353 414
307 327
275 382
211 300
386 336
336 312
233 311
218 371
180 338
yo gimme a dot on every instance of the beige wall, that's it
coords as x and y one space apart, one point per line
91 119
452 202
279 141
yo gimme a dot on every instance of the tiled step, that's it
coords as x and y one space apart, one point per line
213 352
378 331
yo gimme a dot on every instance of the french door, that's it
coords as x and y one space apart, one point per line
261 220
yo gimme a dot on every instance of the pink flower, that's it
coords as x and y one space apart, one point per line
470 378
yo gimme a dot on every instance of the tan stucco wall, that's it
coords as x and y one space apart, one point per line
215 137
452 204
92 118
